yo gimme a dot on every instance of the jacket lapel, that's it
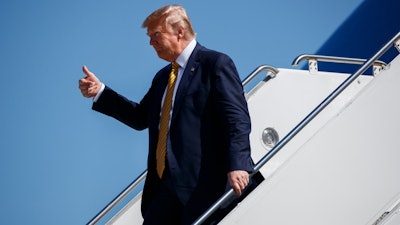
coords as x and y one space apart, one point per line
190 71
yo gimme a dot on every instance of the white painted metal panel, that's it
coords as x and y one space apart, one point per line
130 214
284 101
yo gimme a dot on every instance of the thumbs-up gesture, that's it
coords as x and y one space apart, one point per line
89 85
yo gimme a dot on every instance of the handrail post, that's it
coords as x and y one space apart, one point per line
259 69
378 65
397 44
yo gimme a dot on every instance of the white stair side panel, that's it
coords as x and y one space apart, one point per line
130 214
286 100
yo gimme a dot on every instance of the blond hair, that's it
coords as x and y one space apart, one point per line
175 17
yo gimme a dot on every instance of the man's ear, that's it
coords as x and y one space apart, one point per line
181 32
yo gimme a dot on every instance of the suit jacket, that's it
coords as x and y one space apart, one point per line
209 129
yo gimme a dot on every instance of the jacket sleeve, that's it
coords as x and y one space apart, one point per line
117 106
232 108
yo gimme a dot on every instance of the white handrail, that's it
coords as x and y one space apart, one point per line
259 69
117 199
333 59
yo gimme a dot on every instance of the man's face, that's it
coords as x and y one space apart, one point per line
164 42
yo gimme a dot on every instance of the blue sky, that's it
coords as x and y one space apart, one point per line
61 162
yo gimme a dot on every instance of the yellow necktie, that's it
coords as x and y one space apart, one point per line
164 121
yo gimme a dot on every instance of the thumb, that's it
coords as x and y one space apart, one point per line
87 72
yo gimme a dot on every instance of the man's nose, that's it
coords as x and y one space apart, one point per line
152 41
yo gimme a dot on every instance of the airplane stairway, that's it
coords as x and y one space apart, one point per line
342 168
326 159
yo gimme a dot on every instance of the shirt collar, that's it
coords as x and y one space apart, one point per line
183 58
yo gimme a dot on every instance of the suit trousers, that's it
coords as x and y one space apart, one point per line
165 208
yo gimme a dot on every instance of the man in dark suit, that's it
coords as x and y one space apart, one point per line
207 140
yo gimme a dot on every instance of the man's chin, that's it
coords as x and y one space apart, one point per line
163 57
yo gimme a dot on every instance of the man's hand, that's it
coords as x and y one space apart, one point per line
238 180
89 85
